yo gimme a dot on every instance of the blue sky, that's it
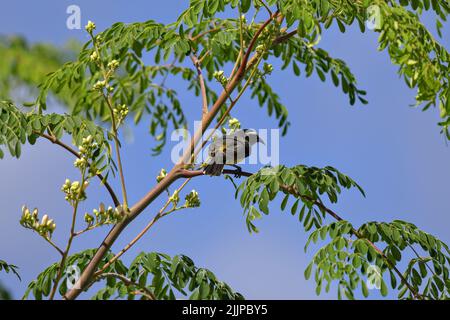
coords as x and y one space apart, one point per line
394 151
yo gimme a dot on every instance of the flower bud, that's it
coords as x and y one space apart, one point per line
75 185
94 56
99 85
88 218
175 198
162 175
114 64
234 123
90 26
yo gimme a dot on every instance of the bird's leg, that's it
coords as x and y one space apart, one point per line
238 173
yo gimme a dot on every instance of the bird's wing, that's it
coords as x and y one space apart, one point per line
228 149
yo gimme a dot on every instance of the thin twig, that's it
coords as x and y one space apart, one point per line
71 236
201 80
419 257
109 103
54 245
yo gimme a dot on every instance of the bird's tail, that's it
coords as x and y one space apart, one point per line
213 169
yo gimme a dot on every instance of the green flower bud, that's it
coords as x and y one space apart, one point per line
234 123
162 175
88 218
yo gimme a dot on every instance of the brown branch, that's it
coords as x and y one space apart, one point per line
284 37
54 140
201 80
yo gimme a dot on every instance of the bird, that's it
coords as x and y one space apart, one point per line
230 149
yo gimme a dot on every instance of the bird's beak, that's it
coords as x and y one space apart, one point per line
261 141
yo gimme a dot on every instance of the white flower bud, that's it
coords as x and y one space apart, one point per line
94 56
90 26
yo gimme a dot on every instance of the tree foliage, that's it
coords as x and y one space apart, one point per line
222 49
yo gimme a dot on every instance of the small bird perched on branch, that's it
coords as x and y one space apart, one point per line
230 149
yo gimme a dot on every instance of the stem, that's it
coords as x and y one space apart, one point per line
108 100
72 235
419 257
201 80
54 245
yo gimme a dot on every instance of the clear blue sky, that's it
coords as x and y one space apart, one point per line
394 151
